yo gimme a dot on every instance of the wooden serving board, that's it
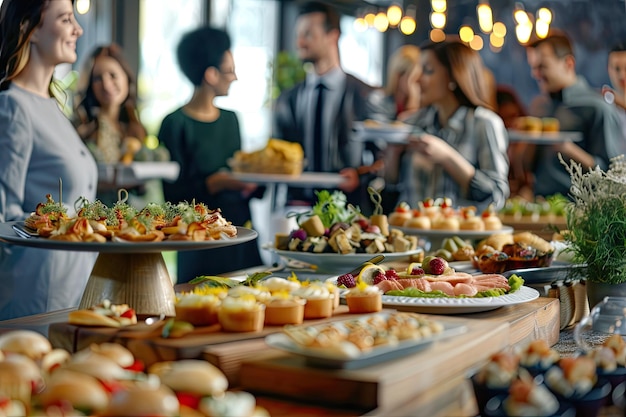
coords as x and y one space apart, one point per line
383 385
412 380
226 350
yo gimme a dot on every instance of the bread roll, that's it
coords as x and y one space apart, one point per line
192 376
533 240
26 342
92 318
497 241
82 391
550 124
143 399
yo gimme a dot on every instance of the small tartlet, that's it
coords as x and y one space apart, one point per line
241 314
364 298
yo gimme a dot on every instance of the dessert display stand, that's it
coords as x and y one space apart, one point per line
132 273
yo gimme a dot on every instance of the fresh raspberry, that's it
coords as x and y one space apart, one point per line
363 223
417 271
391 274
347 280
380 276
437 266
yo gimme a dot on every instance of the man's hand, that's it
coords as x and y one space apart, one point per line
351 180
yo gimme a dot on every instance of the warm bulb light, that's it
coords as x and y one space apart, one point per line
542 28
499 29
437 35
394 14
438 20
439 6
485 17
521 17
82 6
360 25
523 32
495 40
407 25
369 19
381 23
466 33
544 14
477 43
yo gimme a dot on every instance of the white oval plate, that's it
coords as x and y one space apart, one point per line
459 305
321 358
338 263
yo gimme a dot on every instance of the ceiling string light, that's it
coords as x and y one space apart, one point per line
438 20
488 28
393 17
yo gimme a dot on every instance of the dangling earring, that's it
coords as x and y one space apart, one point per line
452 86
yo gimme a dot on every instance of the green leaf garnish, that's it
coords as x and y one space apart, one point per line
215 282
252 280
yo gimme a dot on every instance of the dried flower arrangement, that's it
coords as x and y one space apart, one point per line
596 220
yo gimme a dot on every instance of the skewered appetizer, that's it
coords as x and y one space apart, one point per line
95 222
334 226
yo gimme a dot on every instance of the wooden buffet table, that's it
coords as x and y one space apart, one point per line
432 382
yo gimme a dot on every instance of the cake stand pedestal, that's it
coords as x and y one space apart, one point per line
132 273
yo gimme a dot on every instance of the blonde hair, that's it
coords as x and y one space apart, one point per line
404 60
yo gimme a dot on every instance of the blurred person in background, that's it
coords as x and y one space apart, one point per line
400 96
398 100
568 97
39 147
106 116
342 100
458 145
510 108
201 138
616 93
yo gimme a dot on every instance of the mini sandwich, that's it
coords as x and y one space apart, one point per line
191 380
25 342
122 356
101 367
20 379
146 398
82 392
105 314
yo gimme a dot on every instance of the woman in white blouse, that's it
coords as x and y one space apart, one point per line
458 148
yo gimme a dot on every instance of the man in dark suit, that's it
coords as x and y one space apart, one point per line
319 112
